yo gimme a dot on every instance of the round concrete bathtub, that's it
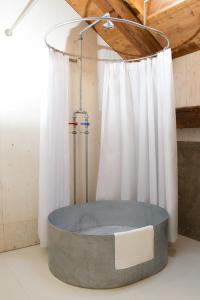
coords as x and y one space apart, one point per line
81 242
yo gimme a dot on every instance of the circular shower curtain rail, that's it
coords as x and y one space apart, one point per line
124 21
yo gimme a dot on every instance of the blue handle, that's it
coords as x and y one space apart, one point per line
85 123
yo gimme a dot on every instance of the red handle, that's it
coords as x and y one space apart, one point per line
73 123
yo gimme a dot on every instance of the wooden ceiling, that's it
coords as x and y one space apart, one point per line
178 19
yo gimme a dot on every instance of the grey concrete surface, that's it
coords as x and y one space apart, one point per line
189 189
81 242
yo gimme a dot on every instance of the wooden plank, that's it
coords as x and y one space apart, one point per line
137 7
156 7
188 117
181 23
179 19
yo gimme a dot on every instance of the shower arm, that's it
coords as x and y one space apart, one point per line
92 25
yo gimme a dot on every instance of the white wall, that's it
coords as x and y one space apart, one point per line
187 88
23 78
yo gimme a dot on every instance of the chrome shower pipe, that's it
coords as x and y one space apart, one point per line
74 132
81 58
80 111
86 132
81 75
86 157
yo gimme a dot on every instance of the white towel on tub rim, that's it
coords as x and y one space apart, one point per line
134 247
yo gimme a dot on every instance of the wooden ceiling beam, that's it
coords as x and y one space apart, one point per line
136 42
114 38
155 7
137 7
181 23
178 19
141 40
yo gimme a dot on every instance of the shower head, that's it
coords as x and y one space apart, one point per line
107 15
108 25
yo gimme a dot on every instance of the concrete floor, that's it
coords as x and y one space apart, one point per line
24 275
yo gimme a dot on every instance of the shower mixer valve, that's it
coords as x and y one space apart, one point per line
74 124
84 122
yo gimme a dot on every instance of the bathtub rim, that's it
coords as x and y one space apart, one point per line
165 219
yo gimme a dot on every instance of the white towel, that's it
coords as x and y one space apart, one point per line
134 247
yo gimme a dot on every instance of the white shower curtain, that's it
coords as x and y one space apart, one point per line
138 159
54 144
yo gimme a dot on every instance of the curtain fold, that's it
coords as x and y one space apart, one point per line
54 144
138 158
